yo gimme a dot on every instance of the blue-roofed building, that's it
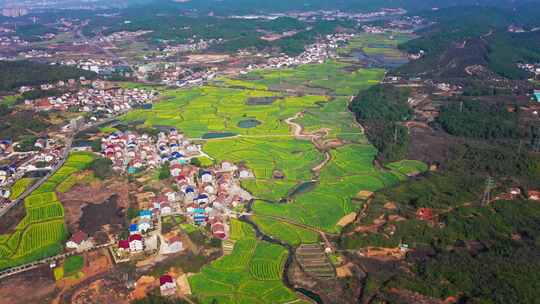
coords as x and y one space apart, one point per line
537 95
133 228
145 214
202 199
176 155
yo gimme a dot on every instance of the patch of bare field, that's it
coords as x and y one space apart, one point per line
206 58
34 286
95 193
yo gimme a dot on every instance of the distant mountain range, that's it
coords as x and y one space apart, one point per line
253 6
259 6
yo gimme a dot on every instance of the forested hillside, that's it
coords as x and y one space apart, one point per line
462 37
380 109
18 73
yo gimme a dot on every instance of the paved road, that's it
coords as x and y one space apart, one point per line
40 182
26 267
57 166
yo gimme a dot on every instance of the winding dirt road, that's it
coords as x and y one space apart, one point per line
315 137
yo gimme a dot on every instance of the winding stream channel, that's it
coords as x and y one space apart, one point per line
290 255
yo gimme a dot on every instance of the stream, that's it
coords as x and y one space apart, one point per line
290 250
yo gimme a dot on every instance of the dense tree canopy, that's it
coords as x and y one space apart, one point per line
380 109
18 73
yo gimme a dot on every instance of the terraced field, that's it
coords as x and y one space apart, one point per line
20 186
250 274
42 231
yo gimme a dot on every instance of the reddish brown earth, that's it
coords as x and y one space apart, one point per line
96 193
96 263
36 286
12 218
105 290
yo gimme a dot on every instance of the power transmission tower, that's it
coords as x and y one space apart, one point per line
535 141
490 184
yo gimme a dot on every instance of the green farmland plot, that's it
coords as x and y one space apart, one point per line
350 170
332 76
250 274
374 44
198 111
42 231
286 232
336 117
240 230
20 186
408 167
264 155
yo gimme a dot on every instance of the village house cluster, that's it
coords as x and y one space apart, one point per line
97 99
131 152
314 53
96 65
205 197
48 155
36 54
10 41
123 35
533 68
190 46
201 196
174 74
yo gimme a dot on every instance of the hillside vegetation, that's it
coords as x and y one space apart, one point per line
475 36
18 73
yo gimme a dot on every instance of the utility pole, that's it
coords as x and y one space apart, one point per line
535 141
490 184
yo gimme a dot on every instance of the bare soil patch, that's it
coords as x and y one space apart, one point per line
105 290
95 216
12 218
77 200
35 286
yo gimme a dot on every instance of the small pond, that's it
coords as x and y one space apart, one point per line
302 188
212 135
248 123
258 101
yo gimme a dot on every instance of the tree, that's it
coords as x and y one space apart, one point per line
27 144
102 168
164 171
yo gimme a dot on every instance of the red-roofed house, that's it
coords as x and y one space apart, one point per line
176 170
533 195
123 245
424 214
167 286
77 240
172 245
218 230
135 242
